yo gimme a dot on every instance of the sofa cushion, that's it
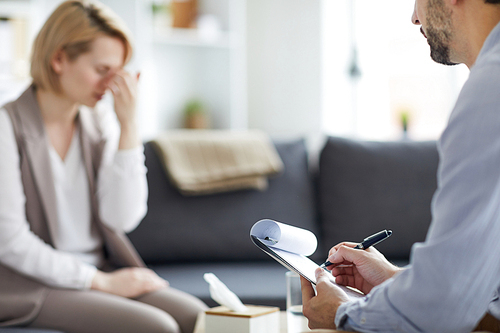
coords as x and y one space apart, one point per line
365 187
26 330
216 227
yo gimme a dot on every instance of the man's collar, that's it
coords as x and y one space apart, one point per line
490 42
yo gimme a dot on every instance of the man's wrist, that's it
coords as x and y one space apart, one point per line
396 270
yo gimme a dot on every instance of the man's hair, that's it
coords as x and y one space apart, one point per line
71 28
492 1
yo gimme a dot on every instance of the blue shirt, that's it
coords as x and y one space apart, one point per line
454 276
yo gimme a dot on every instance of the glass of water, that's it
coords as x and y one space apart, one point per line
296 322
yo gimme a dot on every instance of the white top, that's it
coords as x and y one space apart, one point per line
122 194
75 233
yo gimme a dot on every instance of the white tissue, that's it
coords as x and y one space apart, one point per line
222 295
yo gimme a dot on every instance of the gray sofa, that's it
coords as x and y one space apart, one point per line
360 188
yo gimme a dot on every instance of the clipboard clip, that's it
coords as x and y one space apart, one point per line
269 239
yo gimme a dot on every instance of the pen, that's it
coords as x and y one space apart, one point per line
366 243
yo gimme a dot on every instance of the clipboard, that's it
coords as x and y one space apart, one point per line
272 233
274 253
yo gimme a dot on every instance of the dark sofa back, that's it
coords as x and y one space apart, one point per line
216 227
365 187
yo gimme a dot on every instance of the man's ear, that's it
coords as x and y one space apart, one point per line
58 61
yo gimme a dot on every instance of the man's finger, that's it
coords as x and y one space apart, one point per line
321 276
342 271
348 244
323 281
346 254
307 290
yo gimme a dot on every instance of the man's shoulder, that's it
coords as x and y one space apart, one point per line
484 78
477 110
490 58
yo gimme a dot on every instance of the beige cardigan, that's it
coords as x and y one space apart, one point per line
21 297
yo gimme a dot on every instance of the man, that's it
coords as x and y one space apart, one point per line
454 276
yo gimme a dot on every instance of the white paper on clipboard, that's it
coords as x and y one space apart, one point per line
290 246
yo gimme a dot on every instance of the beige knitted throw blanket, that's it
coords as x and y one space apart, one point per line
211 161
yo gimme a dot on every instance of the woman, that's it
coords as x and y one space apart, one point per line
73 182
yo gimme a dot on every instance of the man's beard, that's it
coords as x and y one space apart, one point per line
439 31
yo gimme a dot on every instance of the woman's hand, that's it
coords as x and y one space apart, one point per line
128 282
360 269
124 89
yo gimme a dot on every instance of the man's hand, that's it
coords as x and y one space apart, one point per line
128 282
320 309
361 269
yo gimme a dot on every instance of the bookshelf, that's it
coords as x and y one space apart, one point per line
176 65
206 65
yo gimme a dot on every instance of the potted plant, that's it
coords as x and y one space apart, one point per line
195 115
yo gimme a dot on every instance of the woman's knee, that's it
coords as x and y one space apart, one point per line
155 321
194 305
187 311
184 307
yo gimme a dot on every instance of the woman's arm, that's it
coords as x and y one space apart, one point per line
122 184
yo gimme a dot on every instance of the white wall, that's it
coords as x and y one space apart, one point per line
137 16
397 73
283 63
284 66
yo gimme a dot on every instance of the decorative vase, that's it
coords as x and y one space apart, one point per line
196 121
184 13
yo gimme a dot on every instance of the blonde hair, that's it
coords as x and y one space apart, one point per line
72 27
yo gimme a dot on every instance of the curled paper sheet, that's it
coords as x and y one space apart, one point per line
222 295
285 237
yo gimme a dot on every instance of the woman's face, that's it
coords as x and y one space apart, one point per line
85 79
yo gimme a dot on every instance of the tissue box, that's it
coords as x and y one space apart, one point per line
258 319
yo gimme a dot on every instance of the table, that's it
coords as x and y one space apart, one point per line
200 324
